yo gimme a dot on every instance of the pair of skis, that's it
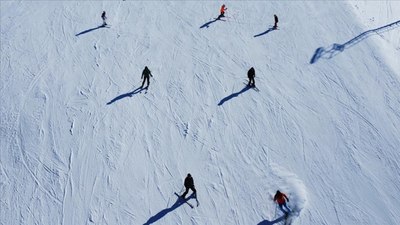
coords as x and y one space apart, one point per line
186 200
252 87
145 89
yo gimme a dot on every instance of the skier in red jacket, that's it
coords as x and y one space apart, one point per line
222 11
281 198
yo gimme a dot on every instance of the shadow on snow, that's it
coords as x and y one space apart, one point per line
164 212
265 32
227 98
207 25
337 48
129 94
89 30
267 222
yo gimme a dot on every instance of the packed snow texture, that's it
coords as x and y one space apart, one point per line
82 144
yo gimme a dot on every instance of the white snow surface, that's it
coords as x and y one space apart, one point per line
77 148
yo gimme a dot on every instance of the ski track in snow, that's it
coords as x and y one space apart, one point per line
324 133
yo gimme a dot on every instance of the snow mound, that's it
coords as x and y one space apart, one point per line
290 184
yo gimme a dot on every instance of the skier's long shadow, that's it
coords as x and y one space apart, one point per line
208 23
227 98
267 222
265 32
164 212
335 48
89 30
129 94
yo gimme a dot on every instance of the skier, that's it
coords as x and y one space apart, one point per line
222 11
281 198
276 22
146 74
189 184
103 16
251 74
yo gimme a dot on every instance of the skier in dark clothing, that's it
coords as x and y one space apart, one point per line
251 74
146 74
281 198
103 16
276 21
189 184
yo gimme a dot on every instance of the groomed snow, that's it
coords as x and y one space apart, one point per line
80 144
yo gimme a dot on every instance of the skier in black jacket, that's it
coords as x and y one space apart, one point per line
104 17
189 184
146 74
276 22
251 74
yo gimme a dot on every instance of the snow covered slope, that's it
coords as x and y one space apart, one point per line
81 144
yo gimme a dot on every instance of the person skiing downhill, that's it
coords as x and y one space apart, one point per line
189 184
146 74
281 198
103 16
251 74
222 12
276 21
